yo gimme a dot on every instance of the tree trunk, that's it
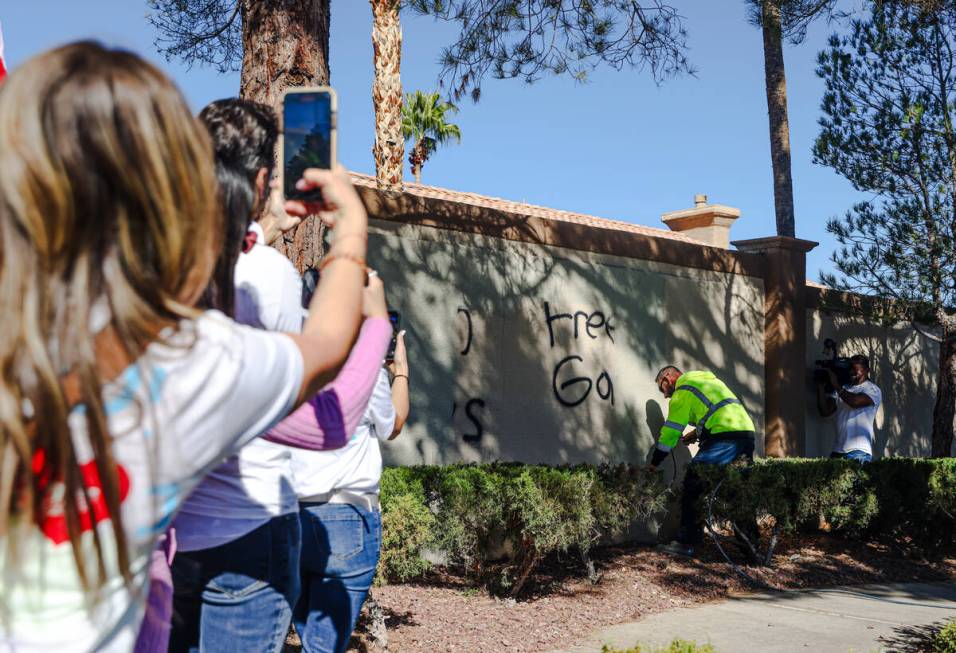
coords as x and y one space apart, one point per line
389 148
417 171
944 414
286 43
776 78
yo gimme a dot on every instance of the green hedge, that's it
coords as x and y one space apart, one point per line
473 514
909 500
497 522
945 640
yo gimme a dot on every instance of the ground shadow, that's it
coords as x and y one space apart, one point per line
912 639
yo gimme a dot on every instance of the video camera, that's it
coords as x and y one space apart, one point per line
839 364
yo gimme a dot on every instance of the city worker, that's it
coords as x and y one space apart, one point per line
723 429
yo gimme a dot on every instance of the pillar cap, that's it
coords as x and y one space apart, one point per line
705 223
758 245
702 213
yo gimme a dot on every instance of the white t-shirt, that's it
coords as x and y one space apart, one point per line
268 289
253 486
356 467
855 425
184 405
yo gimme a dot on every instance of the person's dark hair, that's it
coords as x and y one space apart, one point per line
244 135
861 359
664 370
237 198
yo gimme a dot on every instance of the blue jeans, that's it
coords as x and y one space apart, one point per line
856 454
724 452
711 452
238 596
340 547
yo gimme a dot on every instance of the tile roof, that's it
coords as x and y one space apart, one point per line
520 208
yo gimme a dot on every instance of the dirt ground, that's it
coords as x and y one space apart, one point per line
562 606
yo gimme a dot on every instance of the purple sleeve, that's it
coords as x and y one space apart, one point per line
154 632
328 419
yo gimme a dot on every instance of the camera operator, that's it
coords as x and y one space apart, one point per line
855 405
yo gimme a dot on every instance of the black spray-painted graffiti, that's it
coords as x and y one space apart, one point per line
475 420
468 338
571 387
574 390
474 403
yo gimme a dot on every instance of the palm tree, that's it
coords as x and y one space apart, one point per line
779 20
424 124
389 148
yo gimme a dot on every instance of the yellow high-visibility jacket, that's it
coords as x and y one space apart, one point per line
702 399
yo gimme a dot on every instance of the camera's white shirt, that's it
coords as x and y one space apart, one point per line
855 425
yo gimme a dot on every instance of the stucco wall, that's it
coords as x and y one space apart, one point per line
493 379
903 363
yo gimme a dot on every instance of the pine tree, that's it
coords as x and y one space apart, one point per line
888 127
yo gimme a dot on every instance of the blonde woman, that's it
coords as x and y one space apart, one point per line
117 394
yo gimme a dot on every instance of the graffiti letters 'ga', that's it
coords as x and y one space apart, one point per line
569 389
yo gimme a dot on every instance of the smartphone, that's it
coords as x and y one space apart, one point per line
396 319
310 281
308 136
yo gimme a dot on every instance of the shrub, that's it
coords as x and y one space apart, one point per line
407 526
904 499
515 512
472 515
945 640
677 646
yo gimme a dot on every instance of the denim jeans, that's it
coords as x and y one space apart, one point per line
238 596
711 452
856 454
340 548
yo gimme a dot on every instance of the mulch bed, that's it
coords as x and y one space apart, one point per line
560 606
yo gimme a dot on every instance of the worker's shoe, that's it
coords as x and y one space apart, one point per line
677 549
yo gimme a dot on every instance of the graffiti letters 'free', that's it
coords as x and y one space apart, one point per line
571 389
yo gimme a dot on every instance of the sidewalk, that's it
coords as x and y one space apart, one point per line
859 619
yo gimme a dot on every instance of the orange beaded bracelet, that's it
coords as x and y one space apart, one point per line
358 260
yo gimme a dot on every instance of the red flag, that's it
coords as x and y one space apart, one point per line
3 68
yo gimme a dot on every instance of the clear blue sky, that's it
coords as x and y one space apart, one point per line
617 147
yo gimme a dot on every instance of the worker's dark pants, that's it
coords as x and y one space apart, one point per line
715 450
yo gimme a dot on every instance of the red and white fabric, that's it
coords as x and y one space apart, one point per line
3 68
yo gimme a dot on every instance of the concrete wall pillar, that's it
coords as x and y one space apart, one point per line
785 341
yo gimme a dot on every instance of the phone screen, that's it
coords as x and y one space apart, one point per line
307 138
395 318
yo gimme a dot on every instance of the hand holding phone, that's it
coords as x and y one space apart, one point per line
338 195
373 297
396 319
398 366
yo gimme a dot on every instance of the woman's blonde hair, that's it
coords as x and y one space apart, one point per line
107 197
